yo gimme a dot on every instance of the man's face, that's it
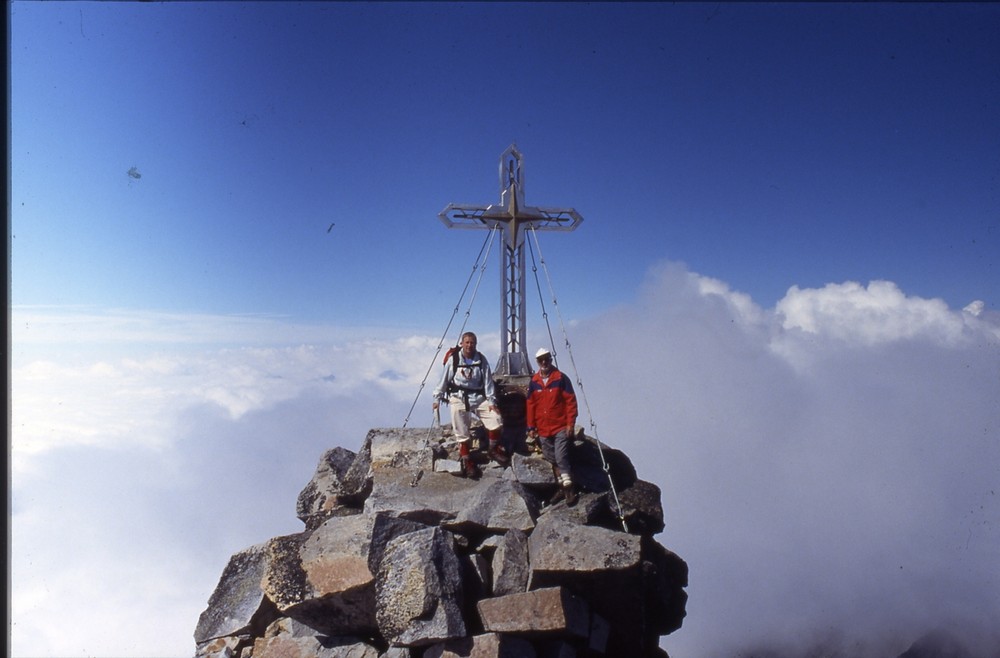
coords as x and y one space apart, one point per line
468 347
545 363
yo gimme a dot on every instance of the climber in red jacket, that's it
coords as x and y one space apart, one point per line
552 419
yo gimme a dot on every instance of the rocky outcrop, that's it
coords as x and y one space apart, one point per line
403 558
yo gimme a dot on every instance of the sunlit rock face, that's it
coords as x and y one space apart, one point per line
401 557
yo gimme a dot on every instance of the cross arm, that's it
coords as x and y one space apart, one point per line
458 215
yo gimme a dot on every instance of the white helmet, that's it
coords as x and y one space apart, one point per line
542 352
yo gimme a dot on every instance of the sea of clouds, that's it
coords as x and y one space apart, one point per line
828 466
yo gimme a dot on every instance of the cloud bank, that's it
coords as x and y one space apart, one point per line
828 466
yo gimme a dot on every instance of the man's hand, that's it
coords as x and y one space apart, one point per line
532 442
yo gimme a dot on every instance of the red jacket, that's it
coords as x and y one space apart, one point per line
551 407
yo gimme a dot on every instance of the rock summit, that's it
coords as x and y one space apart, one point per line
401 557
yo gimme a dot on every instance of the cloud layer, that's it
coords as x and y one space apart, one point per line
828 466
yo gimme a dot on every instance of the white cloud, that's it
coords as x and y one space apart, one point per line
828 466
134 476
880 313
72 388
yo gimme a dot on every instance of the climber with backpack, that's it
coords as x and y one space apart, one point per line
467 386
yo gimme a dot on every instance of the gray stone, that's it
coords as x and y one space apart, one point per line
664 577
221 647
292 628
476 578
356 483
238 599
559 548
397 652
452 466
284 581
341 647
602 566
600 629
489 645
641 508
550 611
589 458
322 579
343 535
590 509
532 471
286 638
419 590
490 544
401 448
430 499
510 564
556 649
321 497
385 528
493 506
401 551
339 593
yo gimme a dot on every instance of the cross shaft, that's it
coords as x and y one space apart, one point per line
513 215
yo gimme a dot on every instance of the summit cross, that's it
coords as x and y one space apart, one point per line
513 215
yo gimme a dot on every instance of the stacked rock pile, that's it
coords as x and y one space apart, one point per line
403 558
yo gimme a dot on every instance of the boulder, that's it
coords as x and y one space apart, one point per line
559 549
488 645
418 495
590 457
549 611
602 566
286 638
385 528
510 564
532 471
408 449
329 586
641 507
324 495
492 506
419 589
238 601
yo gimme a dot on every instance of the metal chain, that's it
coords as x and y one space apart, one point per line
485 249
569 351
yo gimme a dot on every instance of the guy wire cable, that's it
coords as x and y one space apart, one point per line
579 382
484 249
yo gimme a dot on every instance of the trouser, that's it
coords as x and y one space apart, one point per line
461 418
555 449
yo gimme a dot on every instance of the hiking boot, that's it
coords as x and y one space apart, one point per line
469 469
569 492
557 496
498 454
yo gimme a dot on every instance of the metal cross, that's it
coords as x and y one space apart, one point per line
513 215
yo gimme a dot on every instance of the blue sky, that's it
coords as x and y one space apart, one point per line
791 217
768 145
